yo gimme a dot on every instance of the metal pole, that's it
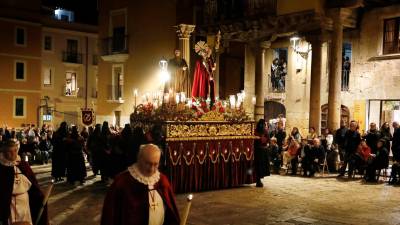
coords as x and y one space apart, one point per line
86 72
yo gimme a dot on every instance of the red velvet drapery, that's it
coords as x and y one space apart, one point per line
210 164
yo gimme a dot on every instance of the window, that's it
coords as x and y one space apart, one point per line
48 43
346 66
19 107
20 36
47 76
70 84
20 71
391 39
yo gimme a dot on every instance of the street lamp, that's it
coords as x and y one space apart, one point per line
164 75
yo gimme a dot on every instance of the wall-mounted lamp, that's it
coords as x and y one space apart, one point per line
164 75
295 44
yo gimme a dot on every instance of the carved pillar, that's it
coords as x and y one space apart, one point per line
315 86
259 80
184 31
335 69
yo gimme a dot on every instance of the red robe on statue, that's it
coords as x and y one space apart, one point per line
203 85
127 202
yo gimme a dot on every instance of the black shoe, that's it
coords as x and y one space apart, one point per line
259 184
340 175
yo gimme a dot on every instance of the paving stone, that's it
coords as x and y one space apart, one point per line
283 200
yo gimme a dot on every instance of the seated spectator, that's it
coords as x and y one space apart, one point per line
313 157
46 148
395 174
275 155
379 161
312 134
363 155
292 147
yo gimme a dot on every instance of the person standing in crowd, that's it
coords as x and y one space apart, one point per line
141 194
261 161
386 134
76 169
126 145
372 137
379 161
339 139
94 146
313 157
121 144
20 197
139 139
351 141
105 151
58 165
396 142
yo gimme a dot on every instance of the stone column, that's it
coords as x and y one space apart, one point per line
249 78
259 80
315 86
335 69
184 31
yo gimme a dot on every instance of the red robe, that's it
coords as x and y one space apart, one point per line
202 85
35 194
127 202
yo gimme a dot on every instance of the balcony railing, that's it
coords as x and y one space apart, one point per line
115 45
275 84
68 92
115 92
345 80
72 57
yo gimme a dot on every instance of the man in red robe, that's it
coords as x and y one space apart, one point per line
20 196
141 195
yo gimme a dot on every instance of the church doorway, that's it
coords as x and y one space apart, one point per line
344 116
273 109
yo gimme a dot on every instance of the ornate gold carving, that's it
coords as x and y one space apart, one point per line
211 130
212 116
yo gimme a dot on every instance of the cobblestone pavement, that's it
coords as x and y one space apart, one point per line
283 200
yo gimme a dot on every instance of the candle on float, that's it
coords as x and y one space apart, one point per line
183 97
135 92
232 101
177 98
254 100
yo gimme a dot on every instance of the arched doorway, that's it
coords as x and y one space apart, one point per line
273 109
344 115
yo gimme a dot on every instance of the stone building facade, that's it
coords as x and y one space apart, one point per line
316 37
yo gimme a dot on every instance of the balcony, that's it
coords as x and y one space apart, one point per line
215 12
72 58
115 93
67 92
115 49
